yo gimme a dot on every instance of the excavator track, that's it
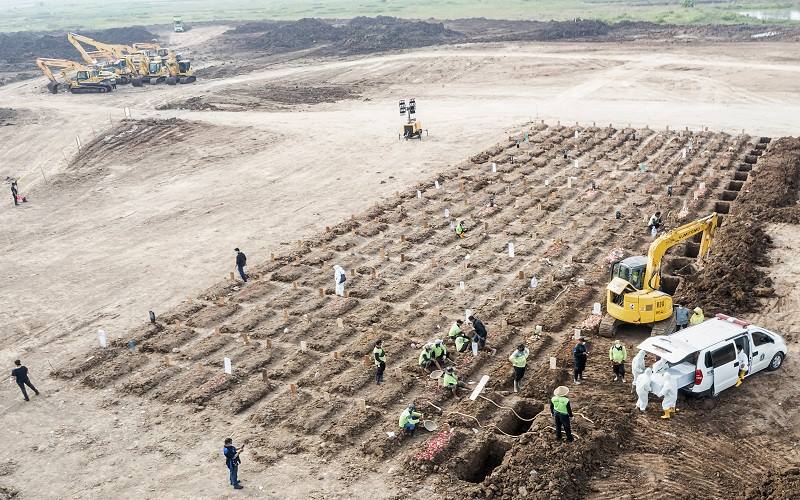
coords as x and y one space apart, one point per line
608 326
664 327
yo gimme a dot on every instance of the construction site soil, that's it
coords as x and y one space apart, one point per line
266 97
302 380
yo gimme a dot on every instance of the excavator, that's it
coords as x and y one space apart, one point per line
634 295
79 79
179 69
111 56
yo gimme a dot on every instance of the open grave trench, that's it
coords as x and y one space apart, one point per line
554 196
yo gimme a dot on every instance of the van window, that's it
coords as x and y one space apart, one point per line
723 355
762 338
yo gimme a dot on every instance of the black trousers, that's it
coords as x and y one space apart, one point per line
22 383
14 195
519 373
577 373
562 421
619 369
379 372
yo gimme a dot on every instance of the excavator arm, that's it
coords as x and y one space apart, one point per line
707 225
104 51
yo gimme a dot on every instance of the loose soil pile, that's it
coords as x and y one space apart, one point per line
266 97
732 280
7 116
18 51
778 485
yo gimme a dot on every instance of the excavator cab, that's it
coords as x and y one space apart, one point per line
631 270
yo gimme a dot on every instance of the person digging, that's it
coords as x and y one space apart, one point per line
409 419
450 381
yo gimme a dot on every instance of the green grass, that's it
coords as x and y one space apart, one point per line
23 15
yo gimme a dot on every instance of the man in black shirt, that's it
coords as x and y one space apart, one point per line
20 373
241 261
480 331
232 461
14 192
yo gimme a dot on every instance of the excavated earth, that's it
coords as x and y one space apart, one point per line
409 278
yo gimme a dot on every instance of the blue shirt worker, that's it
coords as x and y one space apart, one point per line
562 412
232 461
20 373
681 318
409 419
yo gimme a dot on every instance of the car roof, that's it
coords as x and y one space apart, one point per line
680 344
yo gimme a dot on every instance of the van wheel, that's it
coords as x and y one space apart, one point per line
776 362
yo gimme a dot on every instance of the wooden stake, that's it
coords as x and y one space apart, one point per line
347 293
293 389
216 331
272 257
327 229
521 275
340 322
374 273
247 339
321 292
294 285
402 257
402 237
269 342
382 254
230 276
264 376
285 315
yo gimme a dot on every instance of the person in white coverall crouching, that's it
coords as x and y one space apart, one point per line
339 278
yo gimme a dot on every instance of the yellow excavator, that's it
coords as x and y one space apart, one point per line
78 78
635 295
178 67
114 57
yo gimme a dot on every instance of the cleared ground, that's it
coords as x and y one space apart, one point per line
148 216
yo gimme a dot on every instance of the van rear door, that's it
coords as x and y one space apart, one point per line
724 365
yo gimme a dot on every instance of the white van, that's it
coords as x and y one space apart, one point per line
704 357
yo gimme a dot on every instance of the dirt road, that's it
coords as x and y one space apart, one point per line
153 218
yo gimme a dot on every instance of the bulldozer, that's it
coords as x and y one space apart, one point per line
635 295
78 78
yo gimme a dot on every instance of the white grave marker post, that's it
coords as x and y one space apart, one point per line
419 194
461 285
553 363
576 334
479 388
596 309
510 249
446 212
102 337
436 184
228 368
534 282
467 314
494 168
303 346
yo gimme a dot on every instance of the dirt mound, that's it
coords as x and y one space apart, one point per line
268 97
777 486
19 50
732 280
359 35
6 116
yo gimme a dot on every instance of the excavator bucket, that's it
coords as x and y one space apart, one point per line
52 87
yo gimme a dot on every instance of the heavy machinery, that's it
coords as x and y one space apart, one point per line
114 57
78 78
635 295
412 129
178 67
177 24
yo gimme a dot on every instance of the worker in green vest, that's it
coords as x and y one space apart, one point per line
460 229
455 329
426 357
409 419
440 353
519 360
462 342
450 381
562 412
379 357
618 356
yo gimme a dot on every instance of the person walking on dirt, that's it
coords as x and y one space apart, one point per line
455 329
579 356
232 461
562 412
14 192
519 360
681 318
697 317
409 419
480 331
618 356
20 374
241 261
669 393
643 386
744 365
379 356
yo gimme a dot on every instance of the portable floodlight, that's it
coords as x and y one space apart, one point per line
412 106
402 106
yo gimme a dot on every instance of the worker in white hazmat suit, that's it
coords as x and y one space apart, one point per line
660 366
643 389
637 365
339 278
669 393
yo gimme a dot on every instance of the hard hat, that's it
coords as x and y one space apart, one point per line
561 390
698 310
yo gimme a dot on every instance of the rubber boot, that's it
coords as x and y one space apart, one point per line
739 382
667 413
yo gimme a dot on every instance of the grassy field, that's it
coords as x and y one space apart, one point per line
23 15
